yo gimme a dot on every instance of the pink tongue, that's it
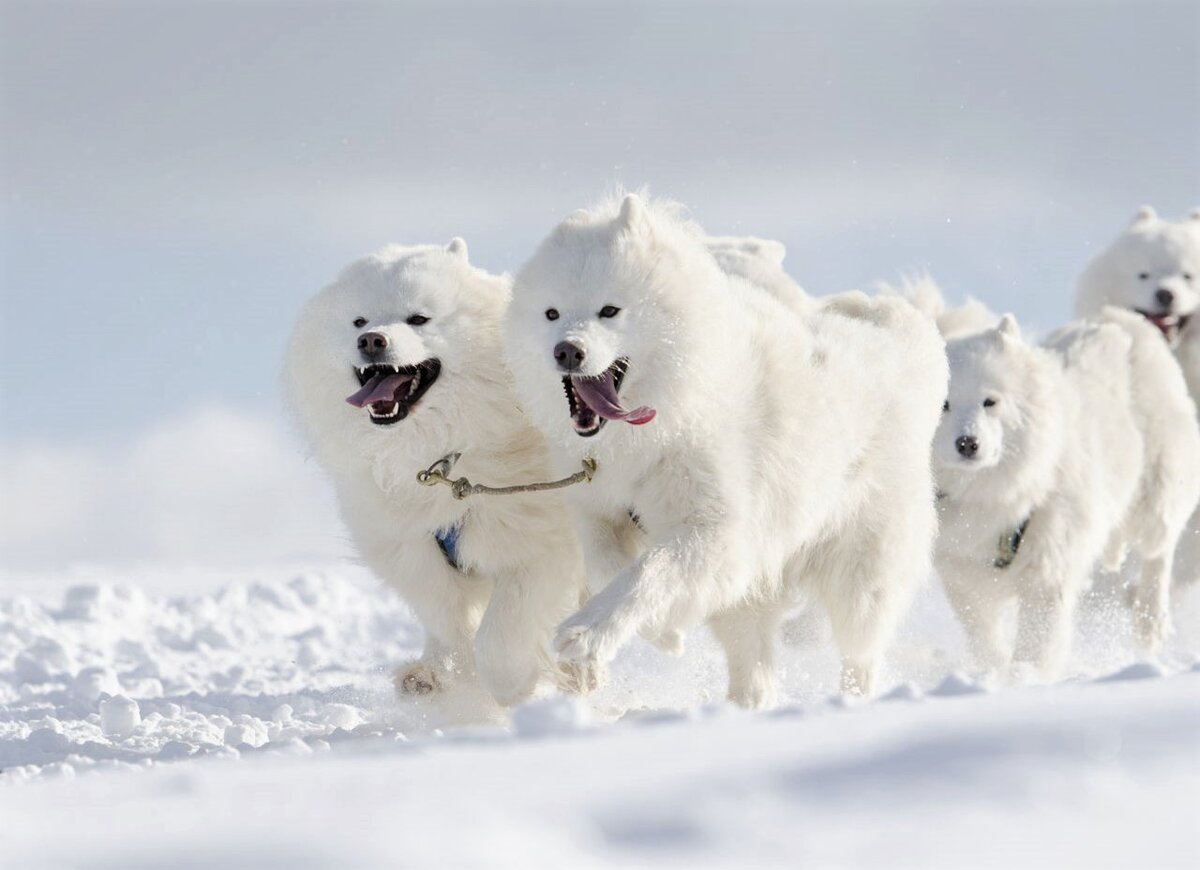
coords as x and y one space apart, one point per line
381 388
600 395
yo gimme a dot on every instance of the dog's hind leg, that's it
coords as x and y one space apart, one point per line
863 623
867 580
1149 601
747 634
1187 553
864 610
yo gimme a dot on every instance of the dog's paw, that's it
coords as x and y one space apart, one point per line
858 679
417 678
576 643
759 694
580 678
1151 624
1152 630
584 641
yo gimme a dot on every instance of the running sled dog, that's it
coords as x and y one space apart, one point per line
1052 460
394 365
747 450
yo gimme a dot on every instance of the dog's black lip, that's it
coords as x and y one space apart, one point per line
619 367
428 370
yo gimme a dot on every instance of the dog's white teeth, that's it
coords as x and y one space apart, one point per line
386 415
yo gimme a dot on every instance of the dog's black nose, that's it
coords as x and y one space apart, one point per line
967 445
1164 297
372 344
568 356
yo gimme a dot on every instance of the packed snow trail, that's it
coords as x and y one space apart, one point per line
256 725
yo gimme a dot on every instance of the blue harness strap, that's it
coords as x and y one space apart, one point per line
447 541
1010 545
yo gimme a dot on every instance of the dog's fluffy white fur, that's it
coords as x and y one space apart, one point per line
925 295
1170 485
759 261
1054 445
1187 351
1153 267
789 450
521 570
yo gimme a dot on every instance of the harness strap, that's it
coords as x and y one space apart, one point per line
439 472
1010 544
447 541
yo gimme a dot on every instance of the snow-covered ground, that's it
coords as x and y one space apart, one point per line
254 725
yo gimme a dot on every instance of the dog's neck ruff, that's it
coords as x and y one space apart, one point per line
1009 545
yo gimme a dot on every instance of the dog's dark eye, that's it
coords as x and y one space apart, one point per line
552 314
1143 276
609 311
360 322
945 406
417 320
989 402
1187 276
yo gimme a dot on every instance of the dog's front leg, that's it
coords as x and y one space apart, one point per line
509 642
685 565
449 607
610 543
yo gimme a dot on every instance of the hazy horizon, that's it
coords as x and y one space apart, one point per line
178 178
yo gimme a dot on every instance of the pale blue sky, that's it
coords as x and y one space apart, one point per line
178 177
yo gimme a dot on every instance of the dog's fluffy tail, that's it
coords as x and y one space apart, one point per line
759 261
923 293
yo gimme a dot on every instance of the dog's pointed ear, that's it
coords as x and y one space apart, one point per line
1007 327
1144 215
457 247
633 211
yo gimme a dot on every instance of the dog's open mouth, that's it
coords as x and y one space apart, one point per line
594 400
389 392
1168 324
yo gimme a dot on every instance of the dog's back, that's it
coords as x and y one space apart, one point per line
1104 458
1166 418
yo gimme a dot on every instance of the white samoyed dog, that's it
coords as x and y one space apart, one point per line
1153 267
1169 490
1046 468
745 451
394 365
